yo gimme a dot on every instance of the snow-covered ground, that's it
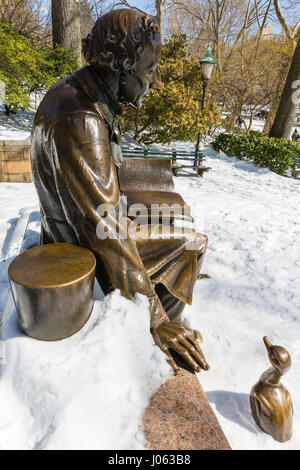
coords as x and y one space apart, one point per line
252 220
15 127
258 125
89 391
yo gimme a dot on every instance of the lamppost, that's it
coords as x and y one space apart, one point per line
207 66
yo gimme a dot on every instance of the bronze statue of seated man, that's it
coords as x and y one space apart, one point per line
75 155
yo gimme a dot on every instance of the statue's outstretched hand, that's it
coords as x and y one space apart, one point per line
177 337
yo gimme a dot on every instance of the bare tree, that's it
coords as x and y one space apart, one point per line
87 19
125 4
222 22
66 26
236 29
97 7
159 6
290 32
27 16
251 80
286 113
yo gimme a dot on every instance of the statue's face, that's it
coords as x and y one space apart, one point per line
145 77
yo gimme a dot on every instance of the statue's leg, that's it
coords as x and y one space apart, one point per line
173 306
201 254
45 238
173 260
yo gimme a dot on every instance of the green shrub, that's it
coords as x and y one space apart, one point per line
26 68
255 134
276 154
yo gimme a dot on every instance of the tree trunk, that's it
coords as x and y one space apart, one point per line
66 26
286 113
8 110
271 116
158 6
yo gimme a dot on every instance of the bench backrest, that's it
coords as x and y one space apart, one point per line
173 154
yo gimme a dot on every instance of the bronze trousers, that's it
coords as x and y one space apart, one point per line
174 274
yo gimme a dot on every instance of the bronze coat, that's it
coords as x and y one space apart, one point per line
74 151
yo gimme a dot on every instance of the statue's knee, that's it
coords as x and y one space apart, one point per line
205 237
202 241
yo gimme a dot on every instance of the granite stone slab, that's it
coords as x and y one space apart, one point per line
179 417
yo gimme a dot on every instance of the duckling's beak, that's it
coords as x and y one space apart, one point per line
268 344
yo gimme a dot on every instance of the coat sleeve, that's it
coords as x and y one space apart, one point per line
86 178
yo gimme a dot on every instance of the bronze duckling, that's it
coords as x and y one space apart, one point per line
270 401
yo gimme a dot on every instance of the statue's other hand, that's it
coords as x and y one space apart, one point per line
177 337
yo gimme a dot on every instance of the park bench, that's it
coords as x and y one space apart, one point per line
179 159
296 168
149 182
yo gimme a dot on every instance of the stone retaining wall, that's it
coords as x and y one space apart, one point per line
15 161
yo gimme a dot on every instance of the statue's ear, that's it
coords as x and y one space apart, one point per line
87 48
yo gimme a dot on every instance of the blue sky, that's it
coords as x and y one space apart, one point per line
145 5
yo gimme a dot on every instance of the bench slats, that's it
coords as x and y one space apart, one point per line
177 158
157 152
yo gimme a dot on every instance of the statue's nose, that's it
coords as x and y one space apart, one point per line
156 82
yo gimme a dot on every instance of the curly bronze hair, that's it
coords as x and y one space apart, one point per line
118 38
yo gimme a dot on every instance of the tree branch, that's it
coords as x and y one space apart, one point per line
282 20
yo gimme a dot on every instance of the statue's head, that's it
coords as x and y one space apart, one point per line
128 43
279 356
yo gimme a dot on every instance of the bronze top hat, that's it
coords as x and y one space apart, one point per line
52 286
